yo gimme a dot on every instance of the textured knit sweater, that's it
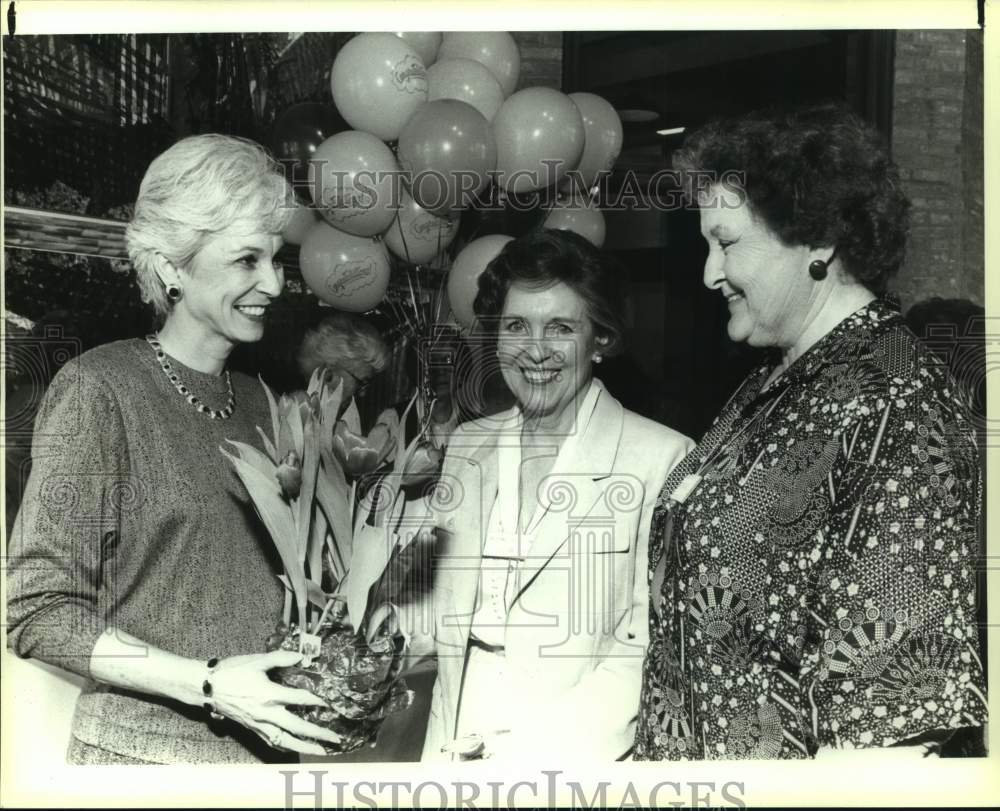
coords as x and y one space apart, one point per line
133 518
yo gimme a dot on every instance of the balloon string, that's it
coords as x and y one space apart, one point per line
400 314
413 298
440 297
424 311
402 236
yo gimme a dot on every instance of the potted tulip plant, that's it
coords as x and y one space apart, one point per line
335 547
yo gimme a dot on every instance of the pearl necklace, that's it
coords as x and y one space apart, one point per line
185 392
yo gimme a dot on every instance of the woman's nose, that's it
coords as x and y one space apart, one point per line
272 279
536 348
713 277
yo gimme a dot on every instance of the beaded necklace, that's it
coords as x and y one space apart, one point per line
185 392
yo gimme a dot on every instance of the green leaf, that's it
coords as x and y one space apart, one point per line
310 465
315 380
352 418
277 517
316 595
400 461
332 493
268 446
248 453
373 548
317 541
293 418
329 405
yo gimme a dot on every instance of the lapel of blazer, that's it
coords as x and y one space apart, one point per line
569 496
477 474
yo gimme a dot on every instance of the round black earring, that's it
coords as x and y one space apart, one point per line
817 270
174 292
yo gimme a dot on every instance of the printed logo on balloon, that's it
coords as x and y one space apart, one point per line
350 278
409 75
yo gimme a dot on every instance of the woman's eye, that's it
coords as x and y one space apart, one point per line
278 267
515 326
248 261
560 329
724 244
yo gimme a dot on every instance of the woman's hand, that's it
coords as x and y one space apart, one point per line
243 692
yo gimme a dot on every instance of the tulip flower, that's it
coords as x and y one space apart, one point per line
422 464
359 454
308 403
289 426
289 475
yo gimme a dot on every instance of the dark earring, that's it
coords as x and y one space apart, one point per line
174 293
817 270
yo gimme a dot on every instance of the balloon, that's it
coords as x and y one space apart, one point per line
416 235
343 270
378 82
497 50
446 151
540 137
353 180
425 43
304 218
602 142
299 131
580 215
465 271
466 81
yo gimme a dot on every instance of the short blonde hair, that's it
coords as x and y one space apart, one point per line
198 187
343 341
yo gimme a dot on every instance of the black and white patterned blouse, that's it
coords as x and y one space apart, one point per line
819 581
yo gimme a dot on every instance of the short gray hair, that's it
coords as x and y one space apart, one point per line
200 186
343 341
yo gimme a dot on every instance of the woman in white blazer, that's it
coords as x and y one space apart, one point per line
539 602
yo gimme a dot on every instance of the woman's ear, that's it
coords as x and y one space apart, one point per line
166 271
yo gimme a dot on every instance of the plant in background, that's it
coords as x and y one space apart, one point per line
335 547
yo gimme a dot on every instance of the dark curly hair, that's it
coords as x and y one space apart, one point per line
816 176
544 257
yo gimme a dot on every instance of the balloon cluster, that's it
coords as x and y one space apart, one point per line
434 121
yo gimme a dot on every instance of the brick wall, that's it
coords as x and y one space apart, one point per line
972 166
938 144
541 58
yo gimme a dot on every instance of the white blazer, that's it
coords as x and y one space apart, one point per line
578 625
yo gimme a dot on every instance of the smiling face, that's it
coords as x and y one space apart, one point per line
765 282
229 285
545 343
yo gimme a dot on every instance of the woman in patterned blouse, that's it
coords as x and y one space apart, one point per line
813 560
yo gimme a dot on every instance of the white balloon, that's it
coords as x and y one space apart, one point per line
603 137
495 49
425 43
378 82
463 278
417 236
468 81
580 215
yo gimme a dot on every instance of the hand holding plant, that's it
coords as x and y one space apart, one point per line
334 548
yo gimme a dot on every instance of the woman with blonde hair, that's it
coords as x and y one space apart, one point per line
136 559
351 348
